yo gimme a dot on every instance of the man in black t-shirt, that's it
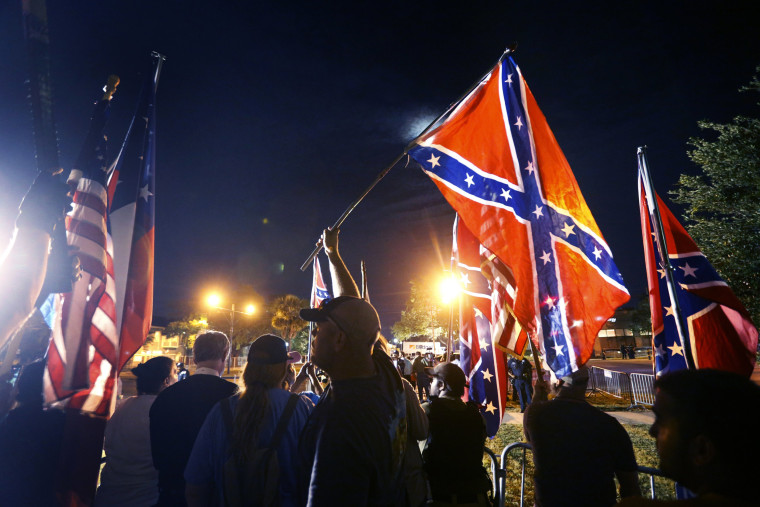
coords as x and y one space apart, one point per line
578 450
453 454
179 411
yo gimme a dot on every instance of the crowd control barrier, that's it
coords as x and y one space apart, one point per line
499 473
642 390
614 383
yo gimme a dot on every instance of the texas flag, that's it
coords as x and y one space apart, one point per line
498 164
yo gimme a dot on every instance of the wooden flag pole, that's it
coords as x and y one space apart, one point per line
510 49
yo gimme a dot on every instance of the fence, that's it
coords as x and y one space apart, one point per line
642 389
614 383
499 473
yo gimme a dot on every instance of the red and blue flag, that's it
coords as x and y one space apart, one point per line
498 164
717 330
479 355
319 292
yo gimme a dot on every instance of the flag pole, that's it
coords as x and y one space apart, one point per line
510 49
662 249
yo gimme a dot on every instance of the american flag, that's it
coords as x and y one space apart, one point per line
84 340
319 292
98 326
497 163
717 330
480 358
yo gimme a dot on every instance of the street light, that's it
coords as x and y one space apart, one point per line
449 288
214 300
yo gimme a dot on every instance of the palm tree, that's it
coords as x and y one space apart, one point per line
285 316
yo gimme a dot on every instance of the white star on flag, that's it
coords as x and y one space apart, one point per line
538 211
549 301
434 160
669 310
478 313
484 346
547 257
490 408
518 124
676 349
662 272
597 253
530 167
568 229
509 79
688 270
558 349
487 375
505 194
145 193
465 279
469 181
660 350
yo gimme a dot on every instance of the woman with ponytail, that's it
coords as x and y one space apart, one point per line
249 426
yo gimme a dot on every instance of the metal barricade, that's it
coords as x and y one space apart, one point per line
614 383
502 487
642 389
652 473
496 471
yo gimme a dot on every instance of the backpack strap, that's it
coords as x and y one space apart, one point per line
282 424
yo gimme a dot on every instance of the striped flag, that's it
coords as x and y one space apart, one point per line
497 163
98 326
84 341
717 330
319 292
480 357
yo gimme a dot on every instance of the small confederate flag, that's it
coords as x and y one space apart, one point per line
319 292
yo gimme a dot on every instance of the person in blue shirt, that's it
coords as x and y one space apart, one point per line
255 416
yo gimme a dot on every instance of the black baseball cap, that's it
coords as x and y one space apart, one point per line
449 373
268 349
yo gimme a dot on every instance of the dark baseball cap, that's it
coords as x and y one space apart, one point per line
449 373
269 349
577 378
356 316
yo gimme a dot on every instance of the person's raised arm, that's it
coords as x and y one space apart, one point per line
343 283
24 263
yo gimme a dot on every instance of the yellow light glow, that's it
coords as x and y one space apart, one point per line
213 300
250 309
449 289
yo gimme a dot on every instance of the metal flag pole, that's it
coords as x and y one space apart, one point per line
662 249
510 49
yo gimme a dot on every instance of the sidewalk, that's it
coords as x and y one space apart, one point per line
625 417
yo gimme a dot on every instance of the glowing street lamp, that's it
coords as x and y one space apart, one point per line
214 300
449 289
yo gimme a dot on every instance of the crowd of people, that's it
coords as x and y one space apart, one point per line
356 440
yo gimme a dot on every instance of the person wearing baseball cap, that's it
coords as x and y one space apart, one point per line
457 435
352 448
239 425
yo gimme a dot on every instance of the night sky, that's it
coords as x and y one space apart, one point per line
274 116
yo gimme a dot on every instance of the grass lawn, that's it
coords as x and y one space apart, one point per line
643 446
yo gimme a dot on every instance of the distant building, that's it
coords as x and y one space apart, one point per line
619 331
158 344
